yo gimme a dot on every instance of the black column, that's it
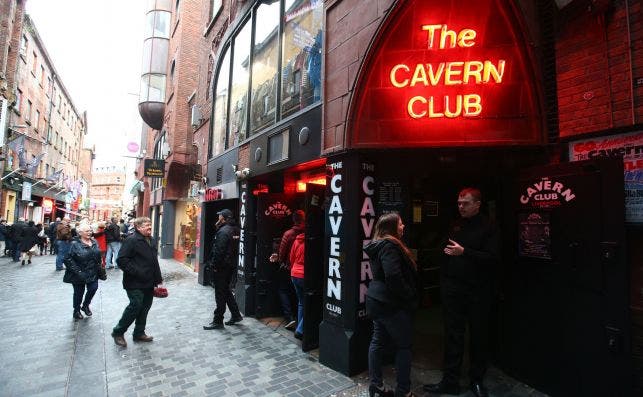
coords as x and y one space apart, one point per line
245 290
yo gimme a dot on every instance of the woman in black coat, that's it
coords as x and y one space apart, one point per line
83 269
391 300
29 239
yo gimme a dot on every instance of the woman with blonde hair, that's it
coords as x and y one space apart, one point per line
391 301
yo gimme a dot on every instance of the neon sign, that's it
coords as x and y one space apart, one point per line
447 73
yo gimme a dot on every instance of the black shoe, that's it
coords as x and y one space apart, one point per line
478 389
234 320
77 315
23 263
299 336
86 310
29 262
442 388
213 325
119 340
381 391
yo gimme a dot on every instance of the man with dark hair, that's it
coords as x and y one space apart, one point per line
466 289
223 258
113 239
283 257
138 259
63 241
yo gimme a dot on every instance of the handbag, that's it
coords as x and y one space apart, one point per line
160 291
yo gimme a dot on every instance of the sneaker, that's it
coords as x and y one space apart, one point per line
234 320
291 325
119 340
143 338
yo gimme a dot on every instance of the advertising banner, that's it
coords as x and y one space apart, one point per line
154 168
629 147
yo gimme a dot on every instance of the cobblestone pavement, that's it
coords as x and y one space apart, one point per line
44 352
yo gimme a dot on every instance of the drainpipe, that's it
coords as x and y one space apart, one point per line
629 53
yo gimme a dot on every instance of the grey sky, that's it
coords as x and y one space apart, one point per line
96 47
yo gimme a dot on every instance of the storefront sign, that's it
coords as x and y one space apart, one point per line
367 220
546 193
212 194
26 191
333 298
47 206
154 168
626 146
534 238
278 210
448 73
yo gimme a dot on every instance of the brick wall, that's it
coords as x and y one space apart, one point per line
593 69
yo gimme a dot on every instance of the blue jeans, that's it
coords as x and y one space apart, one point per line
392 332
79 289
112 252
63 249
299 290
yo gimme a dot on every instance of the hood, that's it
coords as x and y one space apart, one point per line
374 247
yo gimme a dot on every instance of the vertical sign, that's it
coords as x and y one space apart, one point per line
333 289
366 229
26 191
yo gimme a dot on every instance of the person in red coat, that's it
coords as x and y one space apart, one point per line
297 274
99 236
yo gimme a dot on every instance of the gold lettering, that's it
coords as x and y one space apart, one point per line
444 34
399 84
453 70
437 75
410 107
472 105
419 75
490 70
472 68
466 37
458 107
432 113
431 29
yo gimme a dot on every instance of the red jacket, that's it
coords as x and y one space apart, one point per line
297 256
286 243
99 236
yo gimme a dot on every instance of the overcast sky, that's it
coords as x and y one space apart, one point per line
96 48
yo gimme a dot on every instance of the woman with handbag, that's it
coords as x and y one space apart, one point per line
83 269
391 300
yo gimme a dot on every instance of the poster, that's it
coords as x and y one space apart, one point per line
629 147
534 240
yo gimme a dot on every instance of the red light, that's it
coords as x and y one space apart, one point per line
317 180
47 206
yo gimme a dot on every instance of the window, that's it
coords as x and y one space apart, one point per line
42 76
209 76
37 120
49 134
158 24
55 140
48 86
264 66
239 86
28 114
172 68
24 45
34 66
278 146
18 101
301 58
220 103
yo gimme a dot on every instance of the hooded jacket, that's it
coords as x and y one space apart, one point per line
393 286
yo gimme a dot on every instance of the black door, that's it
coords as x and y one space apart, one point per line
274 217
313 265
564 317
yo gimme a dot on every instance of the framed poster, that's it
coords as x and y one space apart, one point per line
534 239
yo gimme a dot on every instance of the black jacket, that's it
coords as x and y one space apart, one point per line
82 263
225 247
394 285
112 233
479 237
138 259
28 238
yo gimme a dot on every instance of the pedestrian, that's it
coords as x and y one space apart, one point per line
297 255
51 233
101 240
113 237
391 300
63 239
282 257
28 242
10 241
3 236
223 258
42 239
466 291
18 228
138 259
83 269
123 226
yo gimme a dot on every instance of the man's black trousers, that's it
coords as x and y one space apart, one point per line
465 304
223 294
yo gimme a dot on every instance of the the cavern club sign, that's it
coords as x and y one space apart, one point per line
448 73
546 193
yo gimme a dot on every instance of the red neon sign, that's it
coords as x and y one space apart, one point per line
448 73
301 184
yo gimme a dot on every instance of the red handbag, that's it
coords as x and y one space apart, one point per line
160 291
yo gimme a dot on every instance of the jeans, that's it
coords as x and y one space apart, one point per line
392 332
112 253
79 289
223 294
16 251
299 290
63 249
140 302
284 290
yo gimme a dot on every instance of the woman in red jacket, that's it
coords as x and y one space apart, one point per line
101 240
297 274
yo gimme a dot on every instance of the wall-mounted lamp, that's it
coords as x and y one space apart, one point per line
242 174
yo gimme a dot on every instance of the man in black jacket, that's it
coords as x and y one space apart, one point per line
466 289
223 260
138 259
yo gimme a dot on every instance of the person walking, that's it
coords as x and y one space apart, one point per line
297 256
113 239
466 289
3 236
138 259
51 233
83 269
284 283
63 240
223 258
28 242
391 300
18 229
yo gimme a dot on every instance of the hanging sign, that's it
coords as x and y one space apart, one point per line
154 168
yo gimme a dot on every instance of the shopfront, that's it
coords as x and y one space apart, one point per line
449 95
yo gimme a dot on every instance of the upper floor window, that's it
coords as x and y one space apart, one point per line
24 45
18 101
34 65
220 114
28 114
239 86
158 24
37 120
